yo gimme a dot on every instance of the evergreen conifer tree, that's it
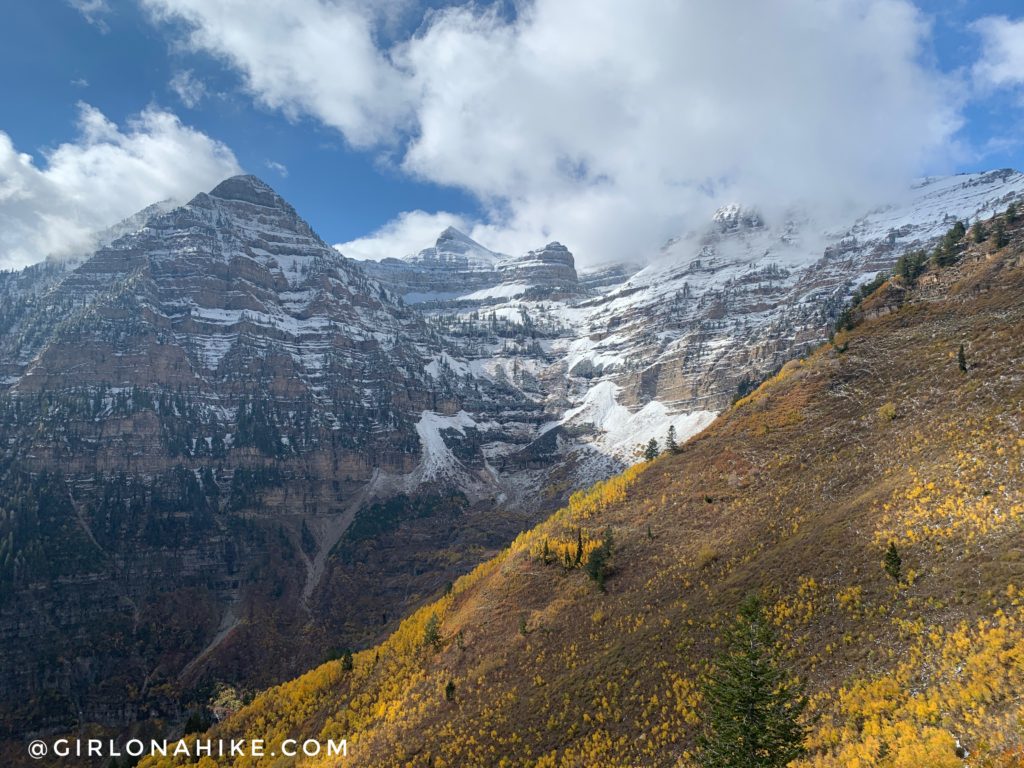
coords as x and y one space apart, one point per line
670 441
1000 235
651 451
753 708
893 563
432 633
598 565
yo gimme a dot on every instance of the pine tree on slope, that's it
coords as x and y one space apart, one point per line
753 709
671 446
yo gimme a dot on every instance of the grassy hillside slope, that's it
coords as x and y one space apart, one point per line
796 491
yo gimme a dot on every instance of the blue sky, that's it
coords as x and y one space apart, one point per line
383 122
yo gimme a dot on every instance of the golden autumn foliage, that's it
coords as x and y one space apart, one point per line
795 492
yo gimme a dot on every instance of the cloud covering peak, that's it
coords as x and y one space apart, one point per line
100 178
605 122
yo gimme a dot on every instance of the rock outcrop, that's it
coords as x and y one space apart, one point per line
549 269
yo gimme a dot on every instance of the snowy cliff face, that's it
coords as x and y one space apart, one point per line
232 282
273 346
723 308
457 268
621 353
455 252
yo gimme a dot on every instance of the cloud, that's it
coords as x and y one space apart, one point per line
279 168
608 124
190 89
105 175
93 11
303 57
407 233
1002 60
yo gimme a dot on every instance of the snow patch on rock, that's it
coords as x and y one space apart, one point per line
622 431
438 460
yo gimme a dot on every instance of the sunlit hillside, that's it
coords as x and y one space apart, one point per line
879 437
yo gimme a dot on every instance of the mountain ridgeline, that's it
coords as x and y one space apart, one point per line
230 452
871 493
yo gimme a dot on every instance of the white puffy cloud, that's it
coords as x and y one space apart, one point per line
608 124
105 175
303 57
407 233
1002 59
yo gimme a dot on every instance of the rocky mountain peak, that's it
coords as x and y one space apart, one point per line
455 240
735 216
248 189
455 250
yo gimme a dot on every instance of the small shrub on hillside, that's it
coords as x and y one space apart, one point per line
886 412
845 321
909 266
706 557
1000 235
948 250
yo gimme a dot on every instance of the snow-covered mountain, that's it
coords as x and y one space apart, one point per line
219 396
619 356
